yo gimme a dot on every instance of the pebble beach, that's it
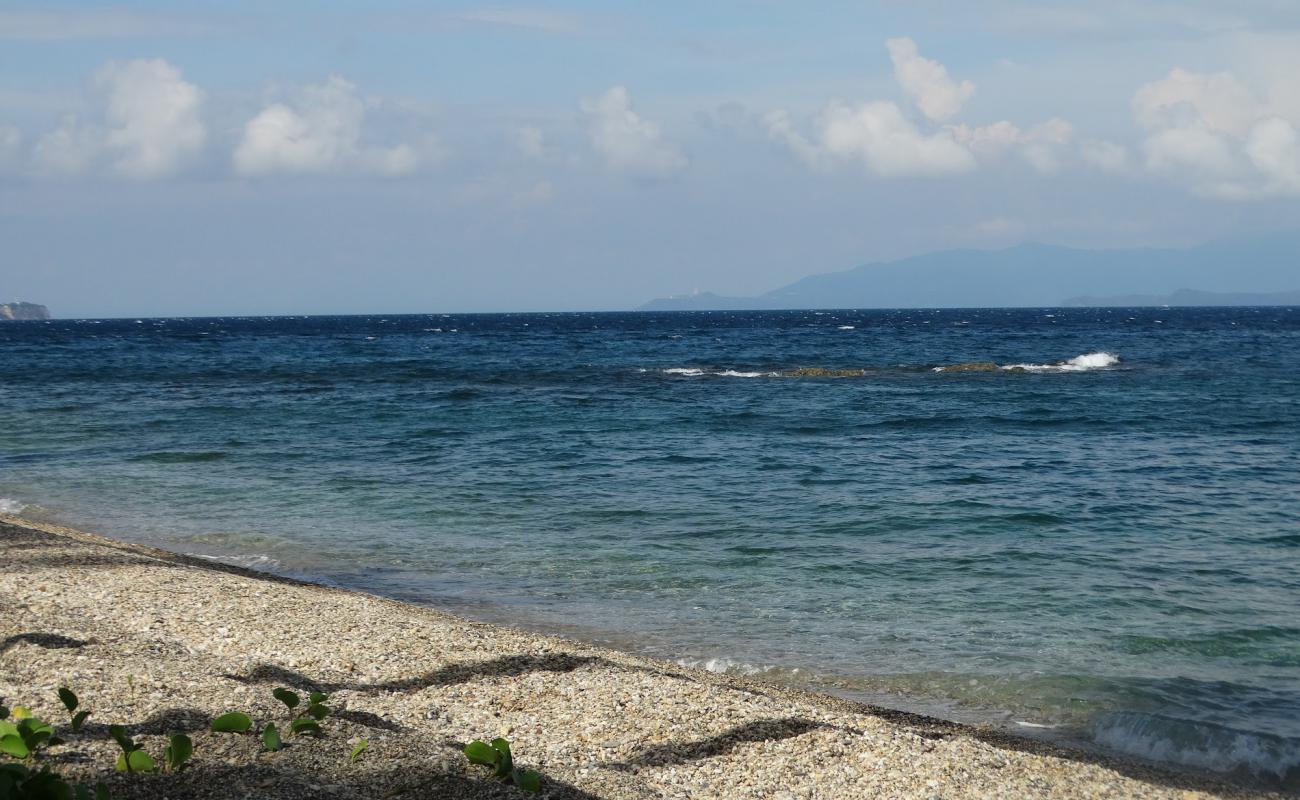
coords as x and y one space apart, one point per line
164 643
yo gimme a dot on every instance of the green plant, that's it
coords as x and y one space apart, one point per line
178 752
20 783
358 750
308 720
70 702
234 722
133 758
497 755
23 738
271 738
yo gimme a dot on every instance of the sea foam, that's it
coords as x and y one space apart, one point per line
1087 361
8 506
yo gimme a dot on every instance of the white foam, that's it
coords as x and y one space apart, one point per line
8 506
255 561
694 372
1087 361
845 328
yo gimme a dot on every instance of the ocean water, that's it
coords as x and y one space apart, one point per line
1100 543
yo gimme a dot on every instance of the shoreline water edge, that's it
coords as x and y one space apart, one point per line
163 642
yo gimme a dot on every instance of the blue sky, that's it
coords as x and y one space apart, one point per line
201 158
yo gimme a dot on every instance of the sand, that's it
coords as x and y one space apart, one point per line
162 642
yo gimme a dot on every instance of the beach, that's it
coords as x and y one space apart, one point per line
162 642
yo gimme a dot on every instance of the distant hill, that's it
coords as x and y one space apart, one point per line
20 311
1033 275
1189 297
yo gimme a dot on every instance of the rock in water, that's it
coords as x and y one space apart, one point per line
19 310
822 372
970 366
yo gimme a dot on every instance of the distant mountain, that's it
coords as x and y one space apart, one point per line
19 311
1033 275
1189 297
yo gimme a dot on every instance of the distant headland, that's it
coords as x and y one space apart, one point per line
19 311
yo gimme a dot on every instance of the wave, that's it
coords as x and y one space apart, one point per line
1087 361
695 372
1155 737
12 507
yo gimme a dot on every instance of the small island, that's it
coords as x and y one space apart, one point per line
18 310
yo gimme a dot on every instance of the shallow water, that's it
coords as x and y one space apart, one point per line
1104 546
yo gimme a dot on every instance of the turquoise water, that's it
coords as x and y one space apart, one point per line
1103 549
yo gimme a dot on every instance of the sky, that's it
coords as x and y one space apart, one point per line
186 158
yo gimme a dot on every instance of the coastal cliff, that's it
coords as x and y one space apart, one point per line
19 310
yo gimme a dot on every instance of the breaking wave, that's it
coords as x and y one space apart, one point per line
8 506
1087 361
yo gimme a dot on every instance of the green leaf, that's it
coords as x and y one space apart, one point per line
13 744
101 792
318 697
69 699
234 722
481 753
318 711
271 738
118 732
79 719
289 698
178 752
527 780
304 725
8 728
4 712
358 750
135 761
505 762
22 712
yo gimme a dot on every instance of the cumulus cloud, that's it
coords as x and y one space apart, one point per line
320 131
153 116
1044 146
151 124
1215 134
881 137
877 135
926 83
626 141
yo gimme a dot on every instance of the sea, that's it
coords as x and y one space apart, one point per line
1095 541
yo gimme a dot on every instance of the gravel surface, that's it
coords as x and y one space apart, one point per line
162 642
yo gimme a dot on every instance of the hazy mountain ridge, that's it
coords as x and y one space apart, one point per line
1031 275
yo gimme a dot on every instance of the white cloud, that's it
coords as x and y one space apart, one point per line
320 131
69 149
926 83
1213 133
1045 146
153 116
626 141
1274 148
879 136
151 124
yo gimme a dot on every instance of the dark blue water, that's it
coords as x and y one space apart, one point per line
1108 548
